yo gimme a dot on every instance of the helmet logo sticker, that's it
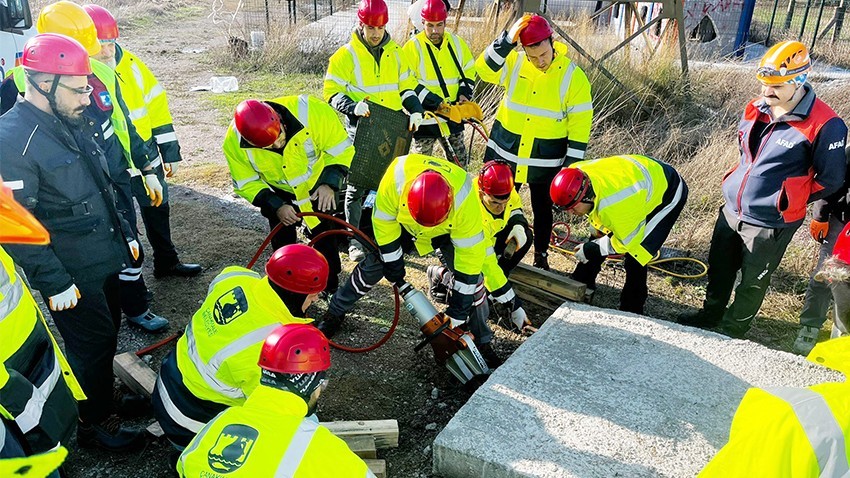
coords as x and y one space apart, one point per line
232 448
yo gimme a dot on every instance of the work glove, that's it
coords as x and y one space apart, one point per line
589 251
415 121
134 248
518 27
154 189
518 234
361 109
819 230
519 319
64 300
170 169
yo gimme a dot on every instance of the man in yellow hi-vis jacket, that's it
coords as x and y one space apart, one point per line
543 122
290 155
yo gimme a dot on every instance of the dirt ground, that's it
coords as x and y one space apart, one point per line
212 227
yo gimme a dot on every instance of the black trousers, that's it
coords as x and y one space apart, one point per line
90 331
157 222
134 291
635 291
541 207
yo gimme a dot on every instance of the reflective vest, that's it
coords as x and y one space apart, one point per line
543 121
147 102
321 142
118 122
463 224
269 436
353 72
419 50
494 277
38 390
217 355
13 462
628 188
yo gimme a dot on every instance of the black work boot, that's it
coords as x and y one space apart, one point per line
491 358
700 318
436 289
329 324
110 435
541 260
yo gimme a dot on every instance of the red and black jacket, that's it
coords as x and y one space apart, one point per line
786 162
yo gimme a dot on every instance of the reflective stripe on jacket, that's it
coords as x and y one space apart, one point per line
628 188
217 356
322 142
494 277
148 104
787 432
38 390
544 118
269 436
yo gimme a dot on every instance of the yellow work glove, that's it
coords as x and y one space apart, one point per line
154 189
518 26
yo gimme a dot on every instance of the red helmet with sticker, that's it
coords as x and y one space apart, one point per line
295 349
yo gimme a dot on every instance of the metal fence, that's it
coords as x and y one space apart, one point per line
819 24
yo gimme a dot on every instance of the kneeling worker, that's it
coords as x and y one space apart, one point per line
214 364
272 433
634 201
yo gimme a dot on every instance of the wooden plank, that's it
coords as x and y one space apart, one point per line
538 297
155 429
548 281
362 445
134 373
384 431
378 467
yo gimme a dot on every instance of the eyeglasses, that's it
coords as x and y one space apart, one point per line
82 91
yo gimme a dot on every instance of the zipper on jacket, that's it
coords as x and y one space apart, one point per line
752 162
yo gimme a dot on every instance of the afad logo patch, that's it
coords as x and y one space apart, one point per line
231 448
105 99
230 306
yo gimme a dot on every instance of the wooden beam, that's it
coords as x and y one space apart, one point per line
378 467
384 431
549 282
134 373
538 297
362 446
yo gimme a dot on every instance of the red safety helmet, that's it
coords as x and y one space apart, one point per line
841 251
569 187
496 179
434 11
295 348
257 122
56 54
429 199
298 268
104 22
537 30
373 13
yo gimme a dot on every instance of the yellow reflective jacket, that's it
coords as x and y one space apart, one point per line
217 356
269 436
494 277
463 225
320 142
35 466
628 188
148 104
32 405
452 52
543 121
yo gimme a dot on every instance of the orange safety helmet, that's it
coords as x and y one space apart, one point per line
785 62
69 19
496 179
298 268
373 13
104 22
537 30
434 11
17 225
429 199
569 188
257 122
295 349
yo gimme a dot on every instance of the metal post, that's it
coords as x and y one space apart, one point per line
839 20
772 18
805 18
817 27
789 15
315 11
268 21
331 2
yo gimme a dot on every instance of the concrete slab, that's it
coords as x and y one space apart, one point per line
605 393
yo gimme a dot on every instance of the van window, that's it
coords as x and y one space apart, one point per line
15 15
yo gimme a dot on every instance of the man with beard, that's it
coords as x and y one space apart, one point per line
56 171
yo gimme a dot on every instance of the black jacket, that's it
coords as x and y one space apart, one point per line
837 204
61 176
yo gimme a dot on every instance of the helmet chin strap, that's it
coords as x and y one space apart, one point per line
50 95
